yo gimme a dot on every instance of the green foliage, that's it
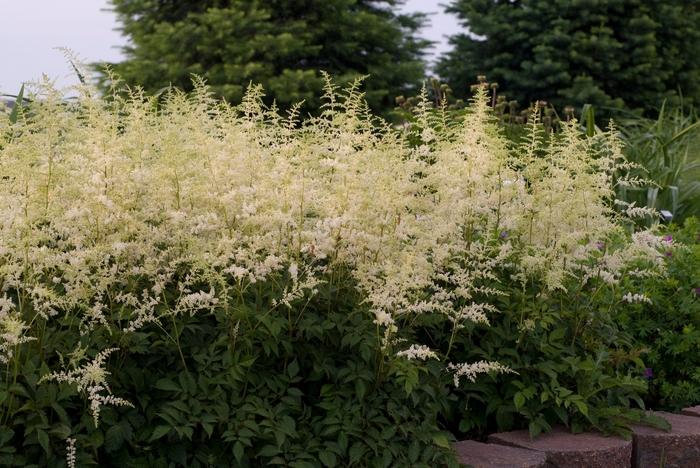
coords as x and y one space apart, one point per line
669 327
573 363
668 150
304 387
609 53
279 44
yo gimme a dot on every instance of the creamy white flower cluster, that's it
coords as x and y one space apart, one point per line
70 452
92 379
636 298
420 352
299 288
12 330
472 370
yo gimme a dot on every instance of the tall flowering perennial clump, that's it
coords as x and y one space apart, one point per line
113 205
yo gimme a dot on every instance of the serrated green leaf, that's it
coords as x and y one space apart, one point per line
441 440
168 385
360 388
117 435
238 451
18 389
388 433
293 368
534 429
43 438
5 435
328 458
357 452
303 464
159 432
413 452
656 421
582 407
519 400
61 431
268 451
287 425
343 441
208 428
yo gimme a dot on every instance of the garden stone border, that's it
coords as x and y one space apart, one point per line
649 448
677 448
480 455
692 411
566 450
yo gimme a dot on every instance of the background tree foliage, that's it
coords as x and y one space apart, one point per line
277 43
610 53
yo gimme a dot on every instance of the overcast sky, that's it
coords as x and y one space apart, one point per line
32 29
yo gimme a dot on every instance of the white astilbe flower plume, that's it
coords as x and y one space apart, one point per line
420 352
472 370
91 378
636 298
70 452
12 329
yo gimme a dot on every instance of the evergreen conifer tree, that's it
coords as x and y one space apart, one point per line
610 53
281 44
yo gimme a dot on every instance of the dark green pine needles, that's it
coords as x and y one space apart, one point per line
280 44
609 53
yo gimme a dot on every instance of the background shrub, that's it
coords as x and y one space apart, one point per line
668 328
279 44
629 54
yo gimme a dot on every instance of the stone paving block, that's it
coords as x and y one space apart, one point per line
566 450
692 411
678 448
480 455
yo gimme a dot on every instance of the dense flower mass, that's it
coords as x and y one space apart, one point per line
114 204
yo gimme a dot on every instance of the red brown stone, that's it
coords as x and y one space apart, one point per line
566 450
679 447
692 411
479 455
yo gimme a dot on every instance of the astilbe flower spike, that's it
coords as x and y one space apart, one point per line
91 378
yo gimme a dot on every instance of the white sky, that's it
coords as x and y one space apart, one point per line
31 29
441 24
